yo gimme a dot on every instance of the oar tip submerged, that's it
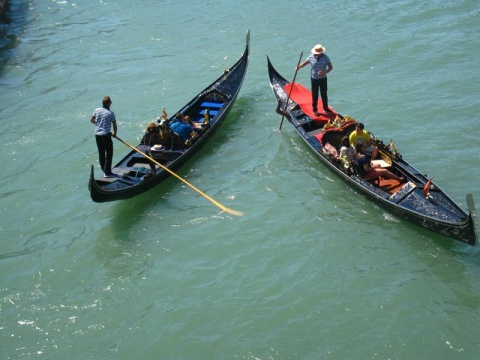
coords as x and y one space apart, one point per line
233 212
224 208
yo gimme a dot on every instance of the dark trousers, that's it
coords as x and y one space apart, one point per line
105 152
322 85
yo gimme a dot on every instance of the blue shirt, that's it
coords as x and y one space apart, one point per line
319 64
182 129
360 164
103 121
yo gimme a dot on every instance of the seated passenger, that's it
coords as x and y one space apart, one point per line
363 164
152 135
181 126
360 135
197 127
159 135
347 152
169 139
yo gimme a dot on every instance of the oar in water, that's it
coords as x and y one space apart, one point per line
224 208
291 88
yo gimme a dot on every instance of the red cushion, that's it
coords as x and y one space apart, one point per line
303 97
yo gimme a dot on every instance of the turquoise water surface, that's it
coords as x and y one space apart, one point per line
313 270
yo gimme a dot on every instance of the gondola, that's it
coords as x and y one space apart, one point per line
416 199
207 110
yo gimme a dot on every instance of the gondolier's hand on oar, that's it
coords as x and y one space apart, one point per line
216 203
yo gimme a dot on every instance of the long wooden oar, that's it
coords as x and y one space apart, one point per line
224 208
290 92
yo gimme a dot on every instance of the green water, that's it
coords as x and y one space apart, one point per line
313 270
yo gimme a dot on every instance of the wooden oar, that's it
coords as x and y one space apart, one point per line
224 208
291 88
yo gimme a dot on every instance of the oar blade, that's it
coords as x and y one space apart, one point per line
213 201
233 212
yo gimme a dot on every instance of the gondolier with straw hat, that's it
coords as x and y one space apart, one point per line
321 66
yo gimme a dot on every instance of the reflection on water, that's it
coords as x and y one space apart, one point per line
13 20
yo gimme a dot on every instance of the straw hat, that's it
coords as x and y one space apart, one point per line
318 49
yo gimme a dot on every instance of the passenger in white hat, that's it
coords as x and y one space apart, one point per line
321 66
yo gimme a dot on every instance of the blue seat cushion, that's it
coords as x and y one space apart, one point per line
209 104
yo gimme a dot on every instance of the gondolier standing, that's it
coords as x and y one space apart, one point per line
321 66
103 119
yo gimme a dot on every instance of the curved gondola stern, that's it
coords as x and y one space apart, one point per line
275 78
93 187
91 179
271 69
473 219
272 72
223 92
277 83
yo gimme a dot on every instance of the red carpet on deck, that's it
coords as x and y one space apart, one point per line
303 97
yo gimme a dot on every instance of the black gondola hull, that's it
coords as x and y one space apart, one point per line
435 212
131 181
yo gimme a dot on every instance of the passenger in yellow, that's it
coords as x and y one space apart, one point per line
359 136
